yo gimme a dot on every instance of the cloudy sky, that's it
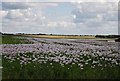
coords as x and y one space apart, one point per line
61 17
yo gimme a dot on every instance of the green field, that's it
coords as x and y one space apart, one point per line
13 70
13 39
53 70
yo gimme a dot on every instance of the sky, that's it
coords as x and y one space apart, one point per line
72 17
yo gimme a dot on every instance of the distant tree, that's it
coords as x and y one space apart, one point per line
107 36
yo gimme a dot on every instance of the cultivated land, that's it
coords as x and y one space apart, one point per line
33 57
62 37
82 37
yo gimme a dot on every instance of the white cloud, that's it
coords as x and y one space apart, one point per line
3 13
86 18
98 17
31 19
14 14
92 10
60 1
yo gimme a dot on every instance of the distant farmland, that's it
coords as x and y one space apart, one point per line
86 37
63 36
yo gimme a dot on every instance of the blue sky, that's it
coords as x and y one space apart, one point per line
63 9
60 17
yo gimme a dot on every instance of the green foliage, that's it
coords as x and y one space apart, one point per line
13 70
107 36
118 40
11 39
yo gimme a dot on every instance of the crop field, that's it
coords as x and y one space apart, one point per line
44 58
62 36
